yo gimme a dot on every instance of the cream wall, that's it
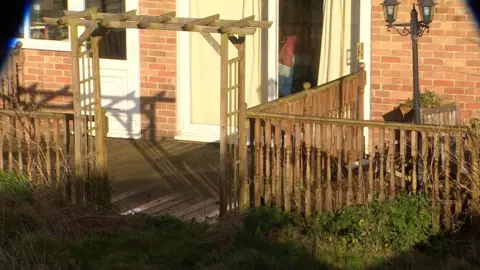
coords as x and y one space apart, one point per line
205 61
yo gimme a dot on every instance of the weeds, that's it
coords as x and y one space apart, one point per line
396 225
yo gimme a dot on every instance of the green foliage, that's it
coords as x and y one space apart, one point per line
428 99
266 219
14 184
397 224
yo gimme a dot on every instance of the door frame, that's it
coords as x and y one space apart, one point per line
211 133
132 65
273 50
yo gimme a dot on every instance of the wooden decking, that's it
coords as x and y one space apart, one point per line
165 177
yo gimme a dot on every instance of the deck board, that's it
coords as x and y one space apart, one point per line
164 177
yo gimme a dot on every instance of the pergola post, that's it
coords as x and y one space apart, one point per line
244 199
79 174
100 125
224 159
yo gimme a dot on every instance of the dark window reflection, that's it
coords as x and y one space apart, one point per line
300 28
114 44
47 8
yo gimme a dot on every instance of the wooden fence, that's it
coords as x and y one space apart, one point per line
39 146
445 115
35 144
312 164
302 157
39 143
12 77
341 98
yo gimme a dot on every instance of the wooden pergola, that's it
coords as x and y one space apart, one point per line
86 85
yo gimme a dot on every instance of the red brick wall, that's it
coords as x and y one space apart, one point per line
48 72
158 73
48 79
448 59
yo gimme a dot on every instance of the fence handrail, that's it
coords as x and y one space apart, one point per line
307 92
38 114
359 123
442 108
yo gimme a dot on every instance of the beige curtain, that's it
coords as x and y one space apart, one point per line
336 48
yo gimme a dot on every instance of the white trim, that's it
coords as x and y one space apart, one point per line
186 129
366 38
133 62
45 44
273 8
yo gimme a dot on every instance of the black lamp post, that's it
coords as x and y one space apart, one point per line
415 29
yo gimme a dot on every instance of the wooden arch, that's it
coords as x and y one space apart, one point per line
232 91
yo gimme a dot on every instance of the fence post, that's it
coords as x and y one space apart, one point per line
20 63
361 92
474 139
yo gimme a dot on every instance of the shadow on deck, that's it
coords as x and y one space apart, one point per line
165 177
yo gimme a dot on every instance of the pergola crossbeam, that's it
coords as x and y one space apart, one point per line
240 23
167 21
86 34
144 21
162 26
166 17
182 20
118 17
77 15
201 22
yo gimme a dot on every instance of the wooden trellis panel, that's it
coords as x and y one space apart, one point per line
89 126
236 135
233 133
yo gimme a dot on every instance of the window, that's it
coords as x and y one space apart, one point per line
35 34
300 29
35 28
114 44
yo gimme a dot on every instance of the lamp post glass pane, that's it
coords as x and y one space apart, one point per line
390 13
427 13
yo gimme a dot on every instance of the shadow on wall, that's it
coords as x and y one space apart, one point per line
61 100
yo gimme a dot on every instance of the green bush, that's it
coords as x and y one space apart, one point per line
397 224
14 184
428 99
265 220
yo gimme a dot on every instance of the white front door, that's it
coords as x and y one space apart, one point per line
120 72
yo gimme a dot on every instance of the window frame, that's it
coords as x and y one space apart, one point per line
43 44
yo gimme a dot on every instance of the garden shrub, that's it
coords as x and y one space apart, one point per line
266 219
428 99
14 184
398 224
